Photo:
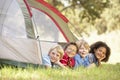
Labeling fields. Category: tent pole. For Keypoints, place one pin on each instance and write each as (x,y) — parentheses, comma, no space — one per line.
(37,38)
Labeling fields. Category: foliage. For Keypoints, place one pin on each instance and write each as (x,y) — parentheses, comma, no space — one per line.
(8,73)
(110,18)
(90,8)
(90,15)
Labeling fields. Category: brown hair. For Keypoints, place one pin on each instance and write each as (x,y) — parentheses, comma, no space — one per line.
(71,43)
(99,44)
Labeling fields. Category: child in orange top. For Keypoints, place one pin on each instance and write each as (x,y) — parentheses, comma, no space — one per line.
(69,52)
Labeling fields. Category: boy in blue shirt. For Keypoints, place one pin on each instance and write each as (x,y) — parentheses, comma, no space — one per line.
(81,58)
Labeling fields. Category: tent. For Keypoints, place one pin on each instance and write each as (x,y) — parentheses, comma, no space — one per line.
(28,28)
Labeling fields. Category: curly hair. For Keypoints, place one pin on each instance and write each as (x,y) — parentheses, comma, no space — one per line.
(99,44)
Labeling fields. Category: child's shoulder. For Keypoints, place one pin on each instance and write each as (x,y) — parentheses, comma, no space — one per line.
(90,55)
(46,61)
(77,56)
(46,58)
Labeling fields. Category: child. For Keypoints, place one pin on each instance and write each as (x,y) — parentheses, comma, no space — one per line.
(81,59)
(99,52)
(70,51)
(53,57)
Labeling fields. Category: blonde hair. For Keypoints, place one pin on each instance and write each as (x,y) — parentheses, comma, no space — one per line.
(84,43)
(59,49)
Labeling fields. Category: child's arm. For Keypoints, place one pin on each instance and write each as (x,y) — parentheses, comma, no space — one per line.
(91,65)
(91,61)
(99,60)
(47,66)
(60,64)
(46,62)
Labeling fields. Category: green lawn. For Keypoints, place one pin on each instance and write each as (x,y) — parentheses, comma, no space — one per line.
(106,72)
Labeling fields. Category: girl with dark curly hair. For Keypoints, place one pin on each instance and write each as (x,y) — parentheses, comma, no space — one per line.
(99,52)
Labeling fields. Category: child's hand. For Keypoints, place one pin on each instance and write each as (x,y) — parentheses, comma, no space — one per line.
(91,65)
(57,62)
(60,64)
(101,58)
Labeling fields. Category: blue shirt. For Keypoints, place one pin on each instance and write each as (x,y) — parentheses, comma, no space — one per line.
(79,61)
(46,61)
(92,59)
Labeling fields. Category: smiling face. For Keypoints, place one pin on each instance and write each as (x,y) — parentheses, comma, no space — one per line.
(100,53)
(71,50)
(83,47)
(54,55)
(83,51)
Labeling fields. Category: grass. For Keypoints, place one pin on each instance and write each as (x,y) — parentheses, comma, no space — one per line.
(106,72)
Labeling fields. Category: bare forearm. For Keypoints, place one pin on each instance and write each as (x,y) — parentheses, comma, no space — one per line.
(61,65)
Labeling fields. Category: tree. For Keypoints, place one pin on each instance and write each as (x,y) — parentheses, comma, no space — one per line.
(103,15)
